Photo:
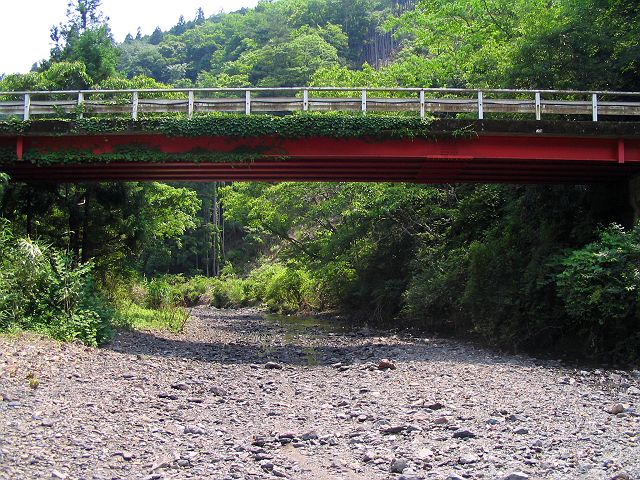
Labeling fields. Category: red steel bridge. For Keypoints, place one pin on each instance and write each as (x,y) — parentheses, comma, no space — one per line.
(509,136)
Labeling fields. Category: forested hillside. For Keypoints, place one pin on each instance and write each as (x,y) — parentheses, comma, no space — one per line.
(276,44)
(544,267)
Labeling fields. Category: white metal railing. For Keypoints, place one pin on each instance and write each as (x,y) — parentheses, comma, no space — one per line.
(190,101)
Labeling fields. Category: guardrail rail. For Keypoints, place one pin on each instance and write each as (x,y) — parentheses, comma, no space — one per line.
(537,103)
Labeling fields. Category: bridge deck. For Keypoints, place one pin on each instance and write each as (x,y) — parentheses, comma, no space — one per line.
(540,140)
(504,152)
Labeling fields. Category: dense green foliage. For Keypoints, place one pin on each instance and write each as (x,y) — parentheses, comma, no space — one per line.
(600,286)
(303,125)
(43,289)
(522,267)
(85,38)
(277,43)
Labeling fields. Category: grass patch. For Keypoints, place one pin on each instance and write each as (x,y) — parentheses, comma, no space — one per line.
(132,316)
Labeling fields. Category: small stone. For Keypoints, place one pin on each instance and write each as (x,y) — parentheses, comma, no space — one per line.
(58,475)
(273,366)
(218,392)
(180,386)
(127,456)
(516,476)
(266,464)
(455,476)
(441,421)
(183,463)
(521,431)
(633,391)
(616,409)
(493,421)
(5,397)
(566,381)
(463,433)
(194,430)
(195,400)
(393,430)
(435,406)
(162,462)
(621,476)
(260,441)
(386,364)
(467,459)
(516,418)
(398,465)
(168,396)
(424,454)
(368,456)
(278,472)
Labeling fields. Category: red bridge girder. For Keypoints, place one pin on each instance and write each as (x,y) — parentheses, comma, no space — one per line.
(486,158)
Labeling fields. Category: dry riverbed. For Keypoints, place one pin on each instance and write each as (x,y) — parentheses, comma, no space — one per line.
(239,396)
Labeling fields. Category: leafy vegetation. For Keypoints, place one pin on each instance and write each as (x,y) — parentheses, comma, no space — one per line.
(43,289)
(600,286)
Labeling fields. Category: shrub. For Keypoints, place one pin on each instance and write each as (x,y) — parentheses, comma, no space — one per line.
(288,290)
(44,290)
(600,287)
(229,292)
(163,292)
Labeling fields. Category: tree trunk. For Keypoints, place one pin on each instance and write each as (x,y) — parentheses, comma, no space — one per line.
(86,236)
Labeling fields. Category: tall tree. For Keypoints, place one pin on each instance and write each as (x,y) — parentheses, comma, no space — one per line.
(85,37)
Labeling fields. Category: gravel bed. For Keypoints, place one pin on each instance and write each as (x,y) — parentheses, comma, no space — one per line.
(242,396)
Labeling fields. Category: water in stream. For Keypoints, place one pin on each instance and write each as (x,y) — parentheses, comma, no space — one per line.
(293,327)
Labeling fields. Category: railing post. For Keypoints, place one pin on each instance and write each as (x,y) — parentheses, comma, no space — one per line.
(27,107)
(80,104)
(364,101)
(422,109)
(305,100)
(247,102)
(134,106)
(190,112)
(480,105)
(594,106)
(538,106)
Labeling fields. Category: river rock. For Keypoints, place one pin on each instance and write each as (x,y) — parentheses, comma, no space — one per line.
(386,364)
(398,465)
(616,409)
(516,476)
(463,433)
(273,366)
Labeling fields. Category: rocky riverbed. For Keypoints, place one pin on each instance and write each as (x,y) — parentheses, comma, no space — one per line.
(241,396)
